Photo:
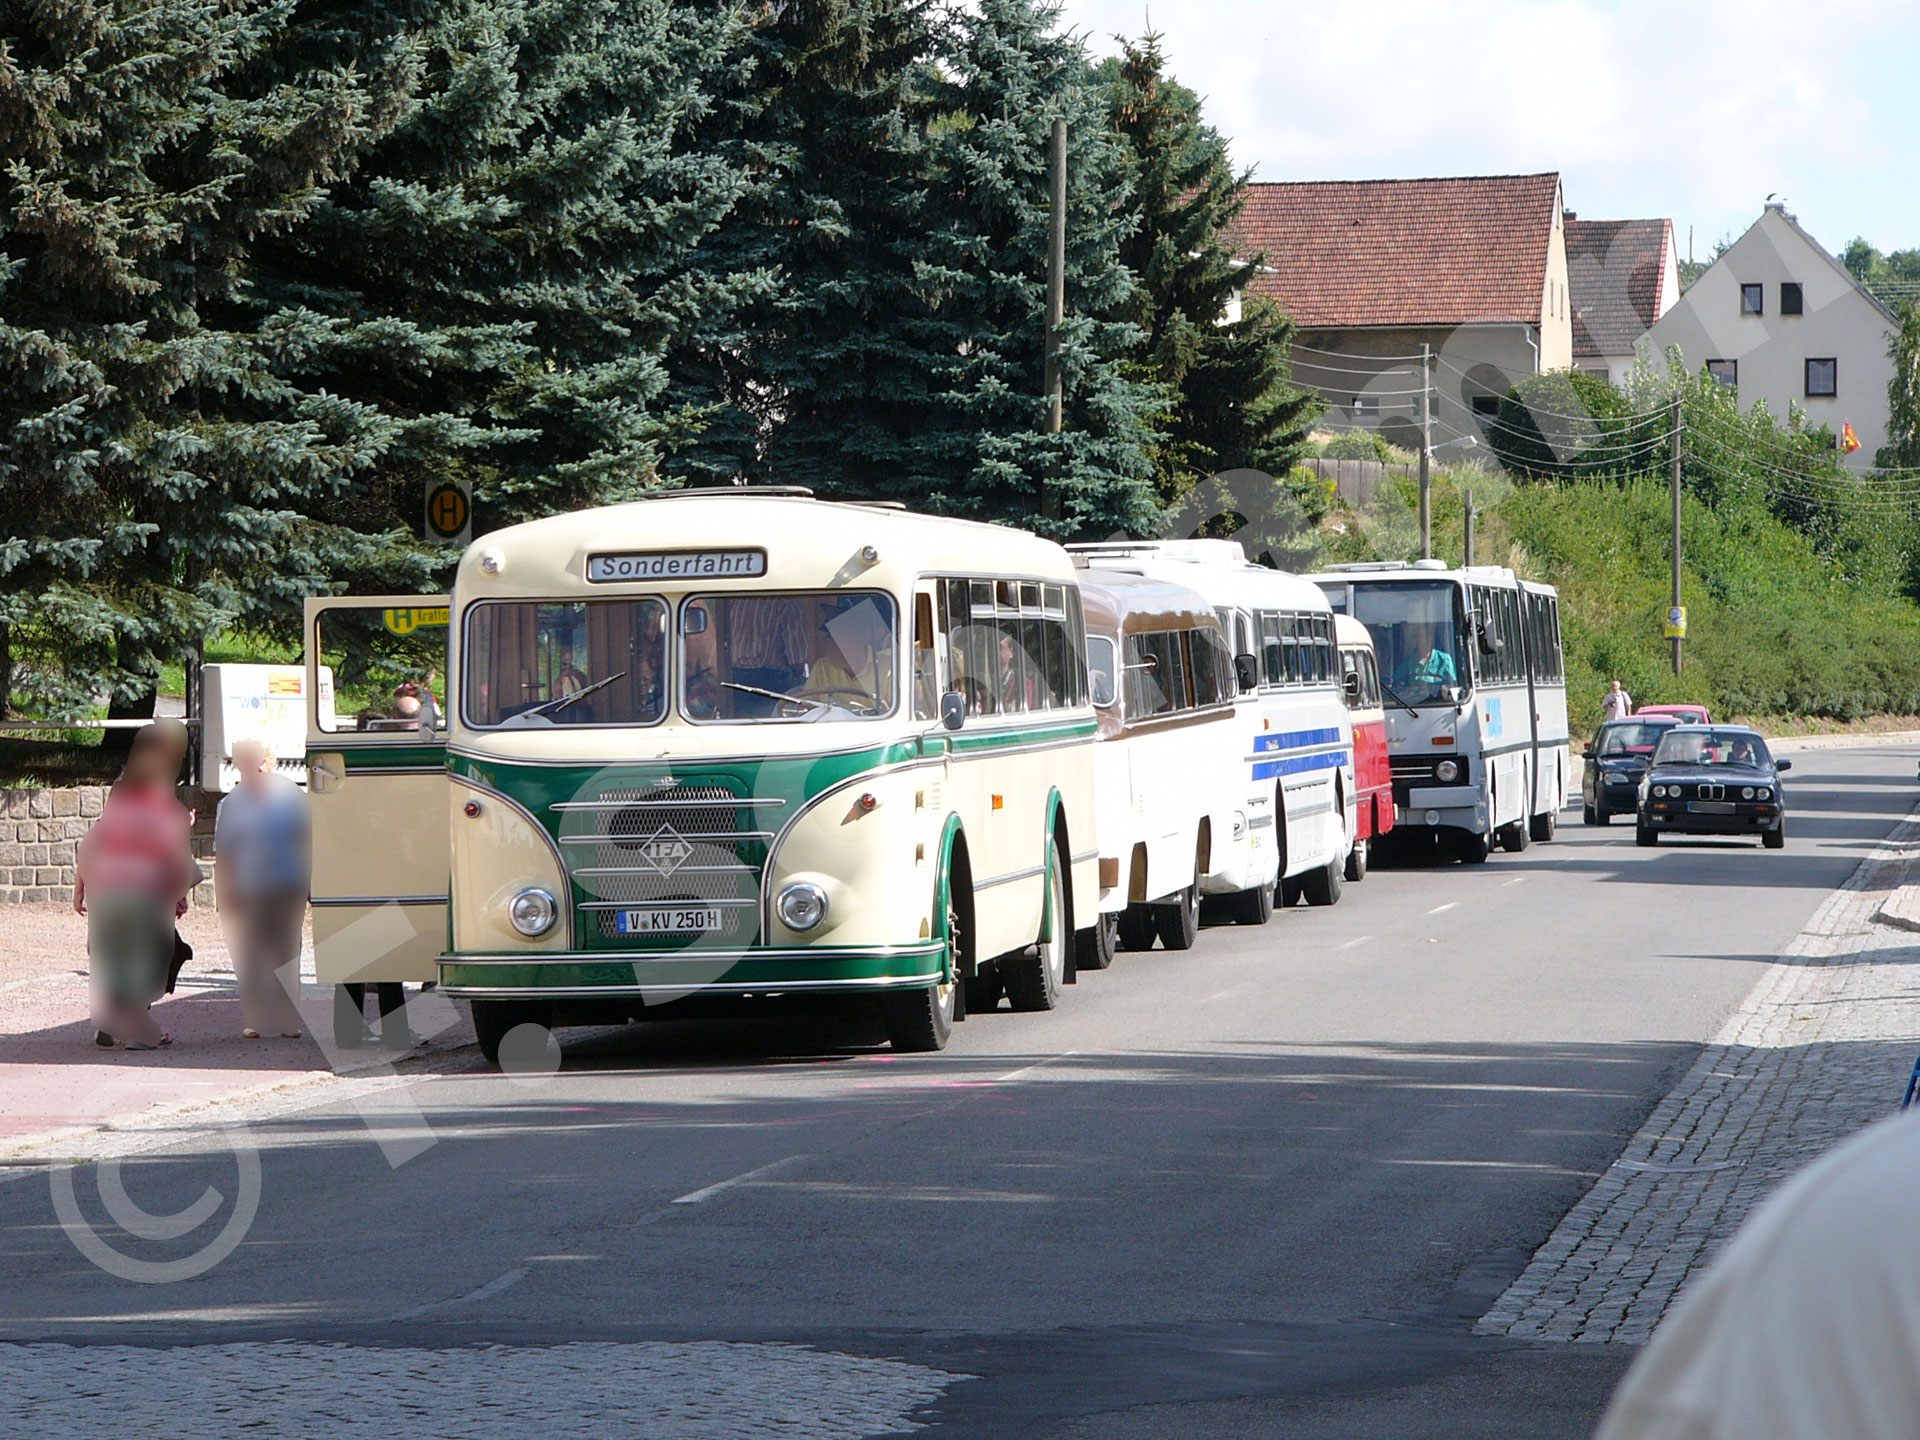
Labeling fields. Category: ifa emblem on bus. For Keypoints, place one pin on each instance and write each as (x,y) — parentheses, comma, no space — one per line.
(666,850)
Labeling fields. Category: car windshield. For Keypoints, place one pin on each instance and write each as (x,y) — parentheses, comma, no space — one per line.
(753,659)
(1417,636)
(1712,747)
(1635,738)
(566,662)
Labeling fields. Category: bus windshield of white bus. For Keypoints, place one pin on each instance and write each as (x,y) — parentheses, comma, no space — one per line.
(1418,638)
(801,656)
(565,662)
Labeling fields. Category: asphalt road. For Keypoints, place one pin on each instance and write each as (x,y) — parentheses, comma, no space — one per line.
(1262,1188)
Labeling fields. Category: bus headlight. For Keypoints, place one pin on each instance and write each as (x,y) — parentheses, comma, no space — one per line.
(1447,771)
(801,906)
(532,912)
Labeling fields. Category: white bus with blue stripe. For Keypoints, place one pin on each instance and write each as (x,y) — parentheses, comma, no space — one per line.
(1474,683)
(1297,743)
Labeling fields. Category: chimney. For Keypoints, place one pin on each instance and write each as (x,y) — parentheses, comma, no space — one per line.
(1569,216)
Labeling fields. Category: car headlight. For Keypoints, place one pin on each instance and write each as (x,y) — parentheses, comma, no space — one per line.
(1746,792)
(801,906)
(1660,792)
(532,912)
(1447,771)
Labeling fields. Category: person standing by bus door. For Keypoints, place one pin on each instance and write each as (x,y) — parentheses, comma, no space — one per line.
(1616,704)
(262,870)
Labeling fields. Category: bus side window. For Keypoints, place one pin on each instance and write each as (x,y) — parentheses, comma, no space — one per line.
(1272,656)
(926,669)
(1373,679)
(983,650)
(1078,686)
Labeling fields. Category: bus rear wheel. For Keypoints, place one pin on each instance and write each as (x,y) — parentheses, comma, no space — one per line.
(1251,907)
(1322,886)
(1034,976)
(1357,860)
(919,1020)
(1178,920)
(1544,827)
(1514,837)
(1134,928)
(1098,942)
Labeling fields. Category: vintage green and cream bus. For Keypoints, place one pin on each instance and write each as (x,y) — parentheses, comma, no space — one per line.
(733,744)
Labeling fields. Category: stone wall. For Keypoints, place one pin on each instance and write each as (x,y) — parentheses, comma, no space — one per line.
(39,828)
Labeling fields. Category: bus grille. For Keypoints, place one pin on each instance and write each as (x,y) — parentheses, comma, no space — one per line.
(1411,770)
(692,844)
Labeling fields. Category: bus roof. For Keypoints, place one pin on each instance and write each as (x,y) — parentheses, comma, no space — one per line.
(1217,569)
(808,543)
(1124,602)
(1349,631)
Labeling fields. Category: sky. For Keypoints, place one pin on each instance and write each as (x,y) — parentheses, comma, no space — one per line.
(1695,110)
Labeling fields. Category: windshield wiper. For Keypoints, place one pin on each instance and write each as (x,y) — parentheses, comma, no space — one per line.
(1387,690)
(554,707)
(773,694)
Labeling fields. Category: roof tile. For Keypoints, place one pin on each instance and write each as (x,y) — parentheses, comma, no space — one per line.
(1614,268)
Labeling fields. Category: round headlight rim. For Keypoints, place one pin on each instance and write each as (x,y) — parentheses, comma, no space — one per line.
(801,890)
(1748,792)
(545,903)
(1447,771)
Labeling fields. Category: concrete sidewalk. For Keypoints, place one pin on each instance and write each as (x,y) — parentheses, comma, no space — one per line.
(57,1088)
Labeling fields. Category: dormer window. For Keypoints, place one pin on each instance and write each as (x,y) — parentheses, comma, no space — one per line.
(1752,300)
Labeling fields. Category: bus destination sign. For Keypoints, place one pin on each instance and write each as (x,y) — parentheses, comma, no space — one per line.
(676,565)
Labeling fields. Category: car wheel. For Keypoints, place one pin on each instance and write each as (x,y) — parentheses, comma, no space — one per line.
(1645,835)
(1776,838)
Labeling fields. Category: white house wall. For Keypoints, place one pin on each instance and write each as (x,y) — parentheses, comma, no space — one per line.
(1840,321)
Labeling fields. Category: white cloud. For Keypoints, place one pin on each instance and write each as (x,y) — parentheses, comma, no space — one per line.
(1696,110)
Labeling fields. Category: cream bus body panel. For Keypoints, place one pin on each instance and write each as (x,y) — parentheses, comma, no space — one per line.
(880,867)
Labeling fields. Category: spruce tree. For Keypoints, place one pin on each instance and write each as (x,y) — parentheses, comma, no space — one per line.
(153,457)
(1235,407)
(1008,70)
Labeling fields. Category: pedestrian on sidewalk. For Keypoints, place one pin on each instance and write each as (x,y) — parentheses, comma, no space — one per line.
(1616,704)
(262,871)
(132,873)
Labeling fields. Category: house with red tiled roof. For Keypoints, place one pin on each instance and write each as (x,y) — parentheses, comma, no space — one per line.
(1623,276)
(1473,268)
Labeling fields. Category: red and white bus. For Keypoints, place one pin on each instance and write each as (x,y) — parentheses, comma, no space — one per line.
(1372,771)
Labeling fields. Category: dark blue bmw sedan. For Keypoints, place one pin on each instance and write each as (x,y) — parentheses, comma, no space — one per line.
(1713,780)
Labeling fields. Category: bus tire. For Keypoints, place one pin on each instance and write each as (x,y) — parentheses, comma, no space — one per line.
(919,1020)
(1514,837)
(494,1020)
(1322,886)
(1289,888)
(1545,826)
(1357,860)
(984,988)
(1472,848)
(1034,976)
(1251,907)
(1098,942)
(1133,927)
(1178,920)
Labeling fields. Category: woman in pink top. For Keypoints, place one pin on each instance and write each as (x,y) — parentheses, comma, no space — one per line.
(134,869)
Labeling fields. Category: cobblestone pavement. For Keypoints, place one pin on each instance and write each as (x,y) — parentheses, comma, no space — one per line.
(1821,1047)
(707,1390)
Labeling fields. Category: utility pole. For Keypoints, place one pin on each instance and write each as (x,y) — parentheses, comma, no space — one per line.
(1676,622)
(1056,293)
(1426,455)
(1466,550)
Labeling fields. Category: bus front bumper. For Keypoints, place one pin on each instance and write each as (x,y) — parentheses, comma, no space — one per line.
(690,972)
(1461,806)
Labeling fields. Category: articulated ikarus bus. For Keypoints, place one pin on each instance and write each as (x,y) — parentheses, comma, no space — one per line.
(739,744)
(1474,685)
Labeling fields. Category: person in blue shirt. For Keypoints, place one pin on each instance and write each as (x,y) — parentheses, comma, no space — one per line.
(262,869)
(1434,667)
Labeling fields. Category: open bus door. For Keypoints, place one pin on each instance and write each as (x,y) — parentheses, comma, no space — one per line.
(377,780)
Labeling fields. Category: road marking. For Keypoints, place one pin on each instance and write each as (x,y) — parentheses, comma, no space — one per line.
(696,1196)
(1029,1069)
(1517,880)
(473,1297)
(1357,940)
(1438,908)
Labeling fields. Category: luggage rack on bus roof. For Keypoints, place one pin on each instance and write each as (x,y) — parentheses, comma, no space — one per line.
(1376,566)
(777,492)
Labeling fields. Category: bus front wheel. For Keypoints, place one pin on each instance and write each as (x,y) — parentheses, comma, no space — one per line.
(1471,848)
(494,1020)
(921,1019)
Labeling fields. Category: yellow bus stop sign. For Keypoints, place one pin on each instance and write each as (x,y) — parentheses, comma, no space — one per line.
(1676,622)
(406,619)
(449,513)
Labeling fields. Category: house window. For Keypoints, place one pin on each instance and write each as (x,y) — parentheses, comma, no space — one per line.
(1366,407)
(1486,406)
(1751,302)
(1791,300)
(1727,372)
(1823,378)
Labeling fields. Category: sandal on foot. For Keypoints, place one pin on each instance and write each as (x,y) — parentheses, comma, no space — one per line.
(150,1044)
(104,1040)
(249,1034)
(289,1034)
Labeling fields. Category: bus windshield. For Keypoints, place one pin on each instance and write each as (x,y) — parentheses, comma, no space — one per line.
(566,662)
(821,655)
(1416,633)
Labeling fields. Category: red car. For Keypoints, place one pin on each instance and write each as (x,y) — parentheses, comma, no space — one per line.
(1685,714)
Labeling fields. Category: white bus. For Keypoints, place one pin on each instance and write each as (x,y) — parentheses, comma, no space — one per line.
(737,744)
(1297,741)
(1472,673)
(1171,795)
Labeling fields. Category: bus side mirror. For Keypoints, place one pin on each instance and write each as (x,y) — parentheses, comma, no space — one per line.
(1246,670)
(1352,685)
(953,709)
